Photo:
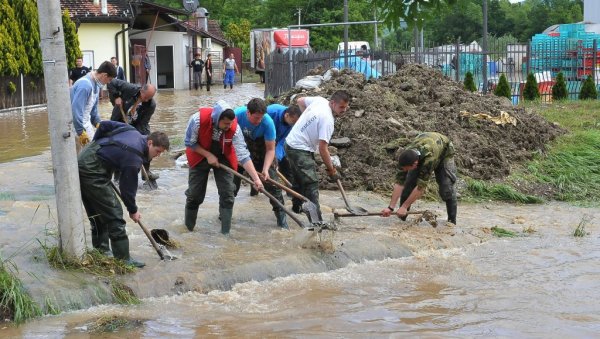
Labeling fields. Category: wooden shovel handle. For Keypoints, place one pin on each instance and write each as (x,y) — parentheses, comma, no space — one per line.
(287,189)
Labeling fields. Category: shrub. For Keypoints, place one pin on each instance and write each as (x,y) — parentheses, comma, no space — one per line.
(12,88)
(469,82)
(531,91)
(503,88)
(559,90)
(588,89)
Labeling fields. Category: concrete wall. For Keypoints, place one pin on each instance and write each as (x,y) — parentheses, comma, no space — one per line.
(591,11)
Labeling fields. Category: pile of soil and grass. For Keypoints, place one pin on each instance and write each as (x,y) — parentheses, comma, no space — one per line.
(387,113)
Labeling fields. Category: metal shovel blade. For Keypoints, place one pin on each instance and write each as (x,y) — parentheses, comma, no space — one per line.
(311,211)
(353,210)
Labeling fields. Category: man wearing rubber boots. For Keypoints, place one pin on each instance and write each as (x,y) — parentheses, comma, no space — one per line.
(428,153)
(133,104)
(312,132)
(116,146)
(259,134)
(213,139)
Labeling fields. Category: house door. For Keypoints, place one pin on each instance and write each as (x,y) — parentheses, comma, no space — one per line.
(164,67)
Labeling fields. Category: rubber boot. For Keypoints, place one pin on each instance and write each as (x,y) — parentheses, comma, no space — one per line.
(281,219)
(225,214)
(120,250)
(100,242)
(451,210)
(190,218)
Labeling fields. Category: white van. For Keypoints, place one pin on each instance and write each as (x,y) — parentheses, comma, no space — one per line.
(354,47)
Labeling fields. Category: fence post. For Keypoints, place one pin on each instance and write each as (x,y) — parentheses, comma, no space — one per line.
(457,60)
(595,60)
(22,95)
(528,59)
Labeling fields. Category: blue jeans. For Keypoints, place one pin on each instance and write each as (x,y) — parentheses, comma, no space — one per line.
(229,77)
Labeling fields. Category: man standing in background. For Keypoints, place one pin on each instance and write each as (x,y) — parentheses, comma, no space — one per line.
(78,72)
(197,66)
(120,71)
(230,68)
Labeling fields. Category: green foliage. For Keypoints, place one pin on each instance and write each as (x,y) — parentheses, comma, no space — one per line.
(469,82)
(12,88)
(15,303)
(502,233)
(71,39)
(503,88)
(531,91)
(482,190)
(27,17)
(238,34)
(559,90)
(580,229)
(588,89)
(12,54)
(413,12)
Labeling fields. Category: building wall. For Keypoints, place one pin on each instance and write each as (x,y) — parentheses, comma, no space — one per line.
(591,11)
(99,38)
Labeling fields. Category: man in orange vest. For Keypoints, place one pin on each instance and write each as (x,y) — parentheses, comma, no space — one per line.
(213,139)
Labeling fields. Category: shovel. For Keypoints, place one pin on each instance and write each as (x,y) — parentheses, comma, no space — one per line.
(353,210)
(339,214)
(148,183)
(163,253)
(308,207)
(283,178)
(263,191)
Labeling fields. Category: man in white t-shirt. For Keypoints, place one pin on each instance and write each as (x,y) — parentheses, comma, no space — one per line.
(312,132)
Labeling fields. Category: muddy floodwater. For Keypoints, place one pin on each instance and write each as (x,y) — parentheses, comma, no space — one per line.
(373,277)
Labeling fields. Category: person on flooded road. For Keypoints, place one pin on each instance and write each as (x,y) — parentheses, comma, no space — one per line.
(133,104)
(312,132)
(116,146)
(84,102)
(428,153)
(213,139)
(260,134)
(284,118)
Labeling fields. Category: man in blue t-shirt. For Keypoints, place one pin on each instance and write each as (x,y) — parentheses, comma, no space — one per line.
(284,118)
(260,134)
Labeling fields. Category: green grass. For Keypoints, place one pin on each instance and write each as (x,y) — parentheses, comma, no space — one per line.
(93,262)
(15,303)
(503,233)
(7,196)
(580,229)
(477,190)
(571,165)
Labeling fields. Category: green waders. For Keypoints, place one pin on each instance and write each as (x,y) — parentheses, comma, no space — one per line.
(304,170)
(102,205)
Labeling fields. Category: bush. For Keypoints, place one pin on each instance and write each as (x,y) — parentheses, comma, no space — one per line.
(559,90)
(469,82)
(531,91)
(503,88)
(12,88)
(588,89)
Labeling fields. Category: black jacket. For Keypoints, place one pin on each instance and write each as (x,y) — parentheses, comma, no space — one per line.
(129,93)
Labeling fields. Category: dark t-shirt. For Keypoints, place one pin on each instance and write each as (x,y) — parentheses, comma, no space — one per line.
(198,65)
(77,73)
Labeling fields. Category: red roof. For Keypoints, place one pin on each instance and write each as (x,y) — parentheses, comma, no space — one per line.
(119,11)
(214,30)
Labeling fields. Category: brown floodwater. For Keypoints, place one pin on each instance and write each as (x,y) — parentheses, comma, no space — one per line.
(374,277)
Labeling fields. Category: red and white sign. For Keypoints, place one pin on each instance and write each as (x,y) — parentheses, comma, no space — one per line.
(299,38)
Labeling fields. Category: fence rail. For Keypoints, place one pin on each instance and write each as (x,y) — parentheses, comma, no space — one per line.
(21,91)
(545,59)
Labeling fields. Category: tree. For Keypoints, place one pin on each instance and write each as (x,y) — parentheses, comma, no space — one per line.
(469,82)
(71,39)
(413,12)
(503,88)
(239,34)
(588,90)
(531,91)
(559,90)
(12,51)
(27,17)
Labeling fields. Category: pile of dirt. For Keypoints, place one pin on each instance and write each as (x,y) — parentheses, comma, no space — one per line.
(490,135)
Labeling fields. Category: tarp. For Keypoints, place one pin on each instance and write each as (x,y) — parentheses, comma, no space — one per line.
(358,64)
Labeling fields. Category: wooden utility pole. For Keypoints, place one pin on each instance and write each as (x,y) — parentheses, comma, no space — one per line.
(62,133)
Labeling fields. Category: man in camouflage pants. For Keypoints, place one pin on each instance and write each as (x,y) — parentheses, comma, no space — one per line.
(430,152)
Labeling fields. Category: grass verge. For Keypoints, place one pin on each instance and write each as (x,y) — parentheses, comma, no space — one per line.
(502,192)
(15,303)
